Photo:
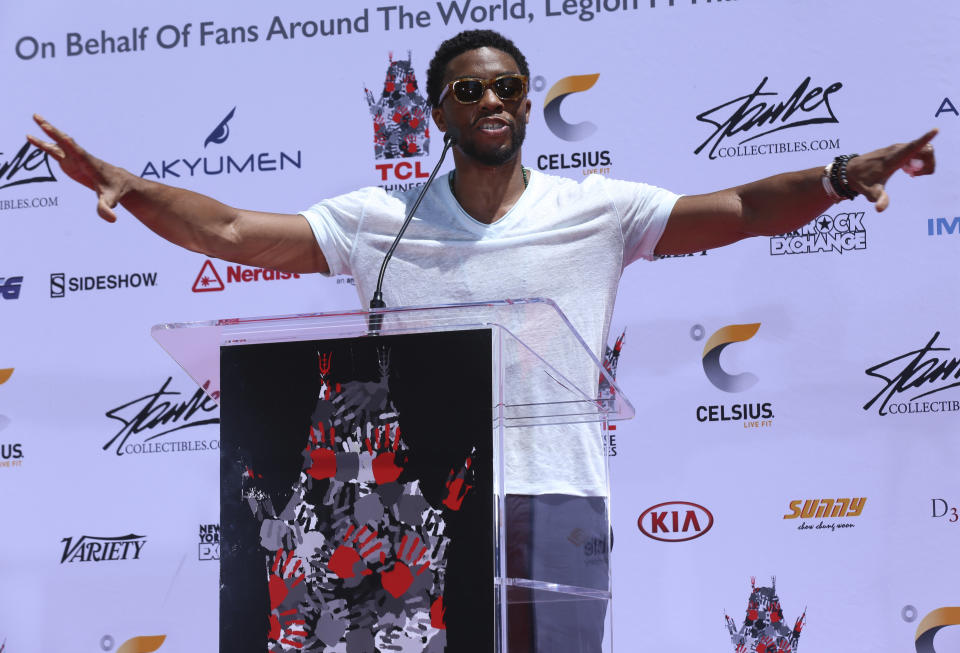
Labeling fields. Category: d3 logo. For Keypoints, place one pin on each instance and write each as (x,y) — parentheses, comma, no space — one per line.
(551,107)
(10,287)
(711,357)
(932,624)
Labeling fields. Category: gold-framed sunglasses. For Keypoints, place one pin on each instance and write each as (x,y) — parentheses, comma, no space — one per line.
(469,90)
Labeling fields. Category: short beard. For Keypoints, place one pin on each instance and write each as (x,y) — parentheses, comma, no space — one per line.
(497,157)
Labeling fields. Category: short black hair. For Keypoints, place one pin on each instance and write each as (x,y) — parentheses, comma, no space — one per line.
(464,42)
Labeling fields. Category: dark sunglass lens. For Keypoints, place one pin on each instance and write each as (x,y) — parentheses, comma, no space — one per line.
(468,90)
(508,88)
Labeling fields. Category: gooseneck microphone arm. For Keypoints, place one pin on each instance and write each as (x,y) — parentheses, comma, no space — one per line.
(375,321)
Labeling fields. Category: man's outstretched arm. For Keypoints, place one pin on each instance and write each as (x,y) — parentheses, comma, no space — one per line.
(191,220)
(786,202)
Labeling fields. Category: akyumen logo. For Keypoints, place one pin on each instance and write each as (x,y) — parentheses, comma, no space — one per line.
(934,623)
(555,97)
(711,357)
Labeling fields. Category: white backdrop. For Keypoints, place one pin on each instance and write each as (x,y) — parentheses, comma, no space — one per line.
(85,370)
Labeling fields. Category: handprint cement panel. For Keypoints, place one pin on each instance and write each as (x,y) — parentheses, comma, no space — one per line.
(357,495)
(401,116)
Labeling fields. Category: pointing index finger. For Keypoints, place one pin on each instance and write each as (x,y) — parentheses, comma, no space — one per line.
(916,145)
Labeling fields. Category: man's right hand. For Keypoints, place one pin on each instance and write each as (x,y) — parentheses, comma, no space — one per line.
(105,180)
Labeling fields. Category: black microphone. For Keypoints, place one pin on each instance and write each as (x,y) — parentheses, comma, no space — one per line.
(375,320)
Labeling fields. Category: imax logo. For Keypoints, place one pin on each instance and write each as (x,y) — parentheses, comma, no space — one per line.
(943,226)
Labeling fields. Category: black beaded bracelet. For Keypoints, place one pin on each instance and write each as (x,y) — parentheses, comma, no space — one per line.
(838,176)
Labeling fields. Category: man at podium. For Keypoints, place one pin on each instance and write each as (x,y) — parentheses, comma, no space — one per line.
(493,228)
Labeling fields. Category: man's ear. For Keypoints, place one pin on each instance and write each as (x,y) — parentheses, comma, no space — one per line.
(526,117)
(439,119)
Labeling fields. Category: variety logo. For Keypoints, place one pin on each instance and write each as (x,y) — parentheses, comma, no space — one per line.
(675,521)
(90,548)
(243,163)
(758,113)
(947,107)
(840,233)
(155,415)
(209,542)
(142,644)
(753,415)
(764,629)
(943,226)
(918,374)
(932,624)
(61,284)
(826,509)
(588,162)
(10,287)
(209,280)
(943,510)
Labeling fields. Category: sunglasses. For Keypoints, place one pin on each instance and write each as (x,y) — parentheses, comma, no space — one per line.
(469,90)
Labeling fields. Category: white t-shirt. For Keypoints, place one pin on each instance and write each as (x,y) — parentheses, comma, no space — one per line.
(563,240)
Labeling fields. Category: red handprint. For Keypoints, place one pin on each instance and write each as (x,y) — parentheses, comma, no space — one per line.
(283,579)
(783,645)
(323,458)
(399,579)
(344,560)
(766,645)
(385,467)
(457,486)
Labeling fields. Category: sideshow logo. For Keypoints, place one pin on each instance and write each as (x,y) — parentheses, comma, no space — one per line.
(155,415)
(826,509)
(588,162)
(942,509)
(90,548)
(946,107)
(918,374)
(209,542)
(753,414)
(60,283)
(675,521)
(757,114)
(30,165)
(250,163)
(764,629)
(209,280)
(10,287)
(840,233)
(142,644)
(930,625)
(943,226)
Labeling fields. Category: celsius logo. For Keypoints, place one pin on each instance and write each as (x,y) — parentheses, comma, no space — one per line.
(675,521)
(840,233)
(711,357)
(551,107)
(763,629)
(89,548)
(10,287)
(143,644)
(209,280)
(250,163)
(209,542)
(931,625)
(400,117)
(29,165)
(222,132)
(943,226)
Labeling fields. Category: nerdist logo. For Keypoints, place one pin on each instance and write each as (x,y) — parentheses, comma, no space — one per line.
(587,161)
(401,126)
(833,514)
(843,232)
(61,284)
(209,547)
(209,280)
(675,521)
(920,374)
(92,548)
(20,171)
(241,161)
(762,112)
(753,414)
(764,628)
(147,419)
(943,226)
(10,287)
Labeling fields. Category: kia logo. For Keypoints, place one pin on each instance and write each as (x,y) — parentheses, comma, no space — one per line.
(675,521)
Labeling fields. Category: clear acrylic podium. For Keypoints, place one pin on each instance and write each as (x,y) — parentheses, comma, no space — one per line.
(543,377)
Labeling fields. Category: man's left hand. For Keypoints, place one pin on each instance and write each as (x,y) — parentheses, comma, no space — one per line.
(868,173)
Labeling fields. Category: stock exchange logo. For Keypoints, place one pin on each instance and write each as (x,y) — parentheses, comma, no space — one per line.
(943,226)
(10,287)
(275,159)
(764,629)
(753,414)
(827,511)
(555,97)
(915,375)
(61,284)
(675,521)
(762,112)
(400,116)
(91,548)
(839,233)
(209,280)
(209,547)
(932,624)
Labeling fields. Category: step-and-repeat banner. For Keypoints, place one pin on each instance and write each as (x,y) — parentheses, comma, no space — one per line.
(790,482)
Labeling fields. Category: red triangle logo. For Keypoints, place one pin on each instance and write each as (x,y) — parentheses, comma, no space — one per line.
(208,280)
